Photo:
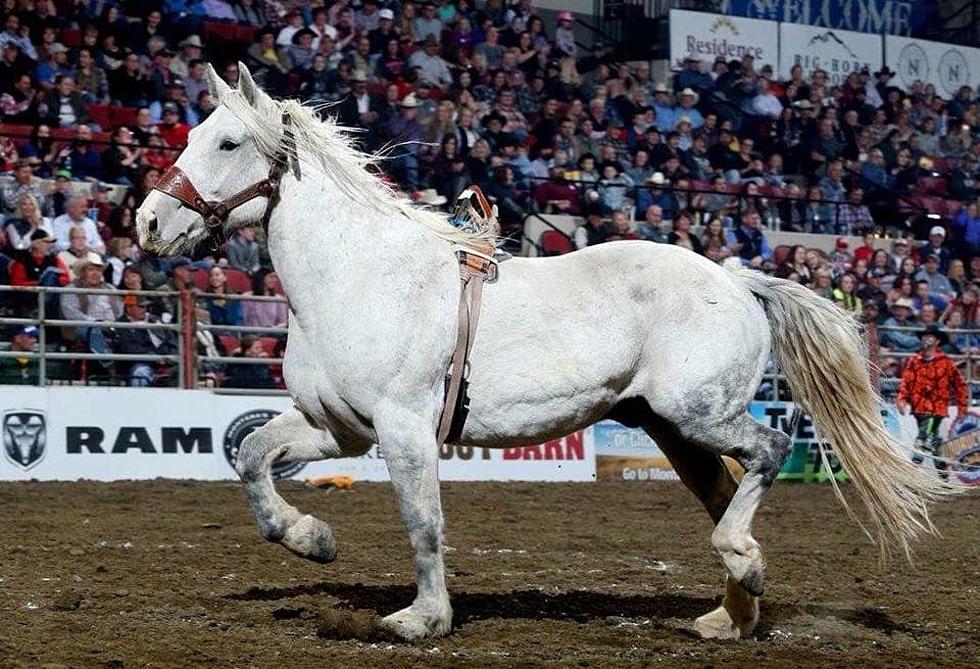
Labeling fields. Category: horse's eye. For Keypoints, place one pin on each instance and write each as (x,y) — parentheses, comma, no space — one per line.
(228,145)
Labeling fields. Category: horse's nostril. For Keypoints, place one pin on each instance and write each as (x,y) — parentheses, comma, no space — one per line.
(152,225)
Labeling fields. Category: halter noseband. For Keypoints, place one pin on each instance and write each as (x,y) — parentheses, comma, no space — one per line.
(175,183)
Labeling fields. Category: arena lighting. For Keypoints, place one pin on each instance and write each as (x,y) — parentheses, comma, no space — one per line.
(934,217)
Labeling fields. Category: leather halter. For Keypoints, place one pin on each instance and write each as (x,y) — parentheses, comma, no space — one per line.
(175,183)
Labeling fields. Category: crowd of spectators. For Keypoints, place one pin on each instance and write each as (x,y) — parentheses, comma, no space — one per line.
(711,157)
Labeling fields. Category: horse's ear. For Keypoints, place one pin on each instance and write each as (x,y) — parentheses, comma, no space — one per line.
(247,85)
(217,86)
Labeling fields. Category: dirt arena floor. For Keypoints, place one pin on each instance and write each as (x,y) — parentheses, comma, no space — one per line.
(166,574)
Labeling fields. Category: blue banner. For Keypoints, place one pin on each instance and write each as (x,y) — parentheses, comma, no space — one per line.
(883,17)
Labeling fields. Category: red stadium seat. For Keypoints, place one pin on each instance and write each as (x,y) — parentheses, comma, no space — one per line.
(229,342)
(269,345)
(122,116)
(933,185)
(238,281)
(200,279)
(100,114)
(554,243)
(71,37)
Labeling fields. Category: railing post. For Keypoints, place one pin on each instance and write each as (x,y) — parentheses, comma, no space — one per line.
(42,340)
(188,323)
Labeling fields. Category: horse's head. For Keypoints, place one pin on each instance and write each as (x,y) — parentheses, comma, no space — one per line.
(222,158)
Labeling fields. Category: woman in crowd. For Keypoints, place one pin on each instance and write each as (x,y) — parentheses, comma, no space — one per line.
(266,314)
(823,283)
(222,310)
(448,169)
(681,235)
(846,294)
(121,162)
(714,233)
(20,229)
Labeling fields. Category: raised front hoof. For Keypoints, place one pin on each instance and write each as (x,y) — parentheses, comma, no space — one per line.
(312,539)
(719,624)
(411,624)
(748,569)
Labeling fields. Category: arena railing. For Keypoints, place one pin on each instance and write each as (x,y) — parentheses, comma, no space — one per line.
(43,320)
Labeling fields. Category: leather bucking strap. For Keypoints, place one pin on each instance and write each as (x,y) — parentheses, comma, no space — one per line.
(475,268)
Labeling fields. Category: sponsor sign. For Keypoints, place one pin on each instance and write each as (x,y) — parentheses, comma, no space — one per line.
(838,52)
(629,454)
(109,434)
(945,66)
(884,17)
(963,448)
(708,36)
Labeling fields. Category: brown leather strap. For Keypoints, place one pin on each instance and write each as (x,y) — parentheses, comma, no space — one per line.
(175,183)
(475,269)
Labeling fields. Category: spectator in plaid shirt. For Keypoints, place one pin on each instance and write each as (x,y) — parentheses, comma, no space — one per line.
(853,217)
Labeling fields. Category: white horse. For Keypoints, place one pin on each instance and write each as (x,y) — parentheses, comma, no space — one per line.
(648,334)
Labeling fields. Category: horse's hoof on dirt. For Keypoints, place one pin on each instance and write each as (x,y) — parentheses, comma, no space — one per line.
(312,539)
(410,624)
(719,625)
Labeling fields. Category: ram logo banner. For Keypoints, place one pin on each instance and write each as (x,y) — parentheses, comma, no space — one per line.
(24,437)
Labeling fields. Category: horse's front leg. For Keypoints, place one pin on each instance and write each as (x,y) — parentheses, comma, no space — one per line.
(409,448)
(286,438)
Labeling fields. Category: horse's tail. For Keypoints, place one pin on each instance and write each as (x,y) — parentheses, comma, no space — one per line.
(820,349)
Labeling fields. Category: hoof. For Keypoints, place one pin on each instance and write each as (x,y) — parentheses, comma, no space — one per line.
(312,539)
(719,625)
(410,623)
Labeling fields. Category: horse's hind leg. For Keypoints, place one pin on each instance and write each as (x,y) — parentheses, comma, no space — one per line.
(286,438)
(705,474)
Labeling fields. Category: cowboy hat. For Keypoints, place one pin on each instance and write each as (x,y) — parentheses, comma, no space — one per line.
(91,259)
(658,179)
(660,88)
(410,101)
(42,235)
(430,197)
(691,92)
(935,331)
(386,14)
(359,76)
(904,302)
(803,104)
(885,70)
(193,40)
(682,119)
(565,15)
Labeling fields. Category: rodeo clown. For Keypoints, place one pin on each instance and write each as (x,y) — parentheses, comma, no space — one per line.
(929,379)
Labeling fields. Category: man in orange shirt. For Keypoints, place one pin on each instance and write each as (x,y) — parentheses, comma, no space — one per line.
(928,383)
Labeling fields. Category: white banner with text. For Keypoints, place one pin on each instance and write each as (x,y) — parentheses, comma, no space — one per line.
(838,52)
(110,434)
(707,36)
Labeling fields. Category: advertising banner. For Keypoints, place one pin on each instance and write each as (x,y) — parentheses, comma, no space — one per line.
(708,36)
(945,66)
(838,52)
(884,17)
(109,434)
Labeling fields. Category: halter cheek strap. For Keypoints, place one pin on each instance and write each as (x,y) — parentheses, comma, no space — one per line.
(175,183)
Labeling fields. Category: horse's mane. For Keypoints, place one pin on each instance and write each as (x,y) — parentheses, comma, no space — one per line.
(331,145)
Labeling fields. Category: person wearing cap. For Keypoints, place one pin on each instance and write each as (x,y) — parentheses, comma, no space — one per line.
(564,35)
(433,67)
(385,31)
(872,291)
(171,129)
(662,109)
(427,23)
(54,65)
(65,106)
(930,384)
(935,246)
(37,266)
(894,333)
(20,370)
(96,308)
(142,341)
(938,283)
